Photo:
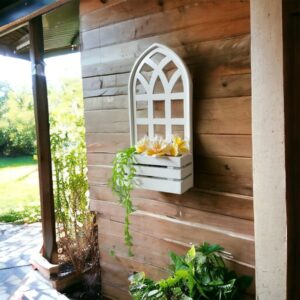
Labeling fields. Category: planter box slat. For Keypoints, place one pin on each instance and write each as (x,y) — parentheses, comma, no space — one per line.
(164,172)
(165,185)
(167,161)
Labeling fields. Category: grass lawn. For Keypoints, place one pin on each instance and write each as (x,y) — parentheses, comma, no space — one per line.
(19,185)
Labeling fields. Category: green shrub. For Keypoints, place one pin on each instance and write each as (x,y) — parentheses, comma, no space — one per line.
(28,214)
(76,228)
(200,274)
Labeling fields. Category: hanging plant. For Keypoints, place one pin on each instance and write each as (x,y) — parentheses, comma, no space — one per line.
(123,172)
(121,183)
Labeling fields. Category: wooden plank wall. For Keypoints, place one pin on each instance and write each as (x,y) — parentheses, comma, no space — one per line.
(213,37)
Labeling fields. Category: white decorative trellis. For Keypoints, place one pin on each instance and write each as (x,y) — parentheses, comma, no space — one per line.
(160,104)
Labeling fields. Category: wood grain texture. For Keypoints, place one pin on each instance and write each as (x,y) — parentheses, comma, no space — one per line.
(180,232)
(88,6)
(209,84)
(214,116)
(111,210)
(223,145)
(155,255)
(229,145)
(203,12)
(223,115)
(208,179)
(240,168)
(231,52)
(237,206)
(213,38)
(223,183)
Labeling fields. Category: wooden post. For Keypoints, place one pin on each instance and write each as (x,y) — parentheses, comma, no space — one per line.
(269,152)
(43,138)
(291,43)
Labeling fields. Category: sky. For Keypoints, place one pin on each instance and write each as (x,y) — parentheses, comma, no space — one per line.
(18,72)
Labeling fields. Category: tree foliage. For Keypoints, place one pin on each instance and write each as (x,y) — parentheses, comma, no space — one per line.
(17,127)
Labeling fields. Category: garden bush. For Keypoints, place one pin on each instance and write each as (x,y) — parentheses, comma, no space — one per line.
(76,228)
(200,274)
(27,214)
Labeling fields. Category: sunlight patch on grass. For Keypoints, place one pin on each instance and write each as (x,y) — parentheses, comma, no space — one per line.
(19,186)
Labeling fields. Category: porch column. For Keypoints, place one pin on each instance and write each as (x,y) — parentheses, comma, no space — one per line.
(269,170)
(43,138)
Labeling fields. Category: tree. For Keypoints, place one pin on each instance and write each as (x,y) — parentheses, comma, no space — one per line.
(17,124)
(17,129)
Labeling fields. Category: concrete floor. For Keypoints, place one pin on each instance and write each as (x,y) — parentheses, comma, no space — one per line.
(17,243)
(18,281)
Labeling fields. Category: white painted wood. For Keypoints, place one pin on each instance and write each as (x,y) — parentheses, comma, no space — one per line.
(160,121)
(168,161)
(164,172)
(269,174)
(148,85)
(164,185)
(141,88)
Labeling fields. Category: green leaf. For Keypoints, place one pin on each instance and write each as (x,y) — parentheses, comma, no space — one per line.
(191,254)
(200,274)
(208,249)
(121,183)
(137,277)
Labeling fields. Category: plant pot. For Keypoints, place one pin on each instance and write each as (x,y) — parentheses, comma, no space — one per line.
(165,173)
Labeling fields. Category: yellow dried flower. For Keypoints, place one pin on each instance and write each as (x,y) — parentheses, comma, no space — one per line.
(158,147)
(179,146)
(142,145)
(173,150)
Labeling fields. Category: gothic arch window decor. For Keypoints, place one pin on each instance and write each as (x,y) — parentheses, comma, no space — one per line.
(160,104)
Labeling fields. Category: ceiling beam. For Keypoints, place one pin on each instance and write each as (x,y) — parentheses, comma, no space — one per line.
(22,43)
(7,51)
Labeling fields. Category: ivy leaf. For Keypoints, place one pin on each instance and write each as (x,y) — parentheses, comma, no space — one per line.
(121,183)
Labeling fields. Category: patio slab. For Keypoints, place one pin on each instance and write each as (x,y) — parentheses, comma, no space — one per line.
(36,287)
(17,244)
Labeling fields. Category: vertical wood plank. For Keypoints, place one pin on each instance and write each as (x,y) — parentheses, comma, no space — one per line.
(269,165)
(41,111)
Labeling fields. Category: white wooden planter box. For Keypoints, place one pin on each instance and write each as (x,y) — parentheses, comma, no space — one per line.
(159,78)
(164,174)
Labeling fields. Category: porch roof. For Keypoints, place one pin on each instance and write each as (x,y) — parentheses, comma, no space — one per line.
(61,32)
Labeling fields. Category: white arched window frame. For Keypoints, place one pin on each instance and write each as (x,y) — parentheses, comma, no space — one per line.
(167,174)
(168,56)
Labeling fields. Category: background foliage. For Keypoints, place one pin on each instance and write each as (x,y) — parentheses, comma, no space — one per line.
(17,129)
(17,132)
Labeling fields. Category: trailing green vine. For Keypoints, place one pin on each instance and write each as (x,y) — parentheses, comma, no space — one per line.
(122,184)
